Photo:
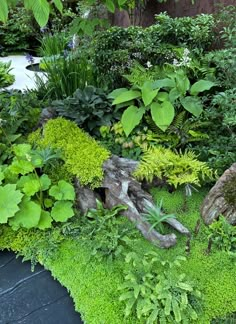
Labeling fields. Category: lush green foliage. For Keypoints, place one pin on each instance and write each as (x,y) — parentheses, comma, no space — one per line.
(156,217)
(104,232)
(53,44)
(223,235)
(158,99)
(89,108)
(157,292)
(223,61)
(28,199)
(220,147)
(83,156)
(176,169)
(19,33)
(65,74)
(118,49)
(6,79)
(227,17)
(71,263)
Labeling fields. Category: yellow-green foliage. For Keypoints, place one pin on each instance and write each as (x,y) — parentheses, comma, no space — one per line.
(82,154)
(93,284)
(177,169)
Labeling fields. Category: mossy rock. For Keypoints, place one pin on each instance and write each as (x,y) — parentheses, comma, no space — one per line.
(221,200)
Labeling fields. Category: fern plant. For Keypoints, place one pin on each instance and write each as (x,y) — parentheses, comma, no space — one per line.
(176,169)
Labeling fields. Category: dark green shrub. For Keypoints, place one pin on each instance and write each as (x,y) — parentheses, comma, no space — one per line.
(20,32)
(219,150)
(89,108)
(224,63)
(117,49)
(6,79)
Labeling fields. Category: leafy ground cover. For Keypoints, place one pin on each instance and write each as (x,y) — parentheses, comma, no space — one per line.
(93,284)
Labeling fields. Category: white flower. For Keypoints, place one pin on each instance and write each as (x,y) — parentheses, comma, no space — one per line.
(149,65)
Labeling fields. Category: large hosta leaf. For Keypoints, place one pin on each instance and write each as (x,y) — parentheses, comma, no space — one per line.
(131,117)
(127,96)
(62,210)
(28,216)
(193,105)
(62,191)
(200,86)
(3,10)
(148,94)
(162,114)
(10,198)
(41,10)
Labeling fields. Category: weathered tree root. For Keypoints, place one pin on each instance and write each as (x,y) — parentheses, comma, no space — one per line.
(119,187)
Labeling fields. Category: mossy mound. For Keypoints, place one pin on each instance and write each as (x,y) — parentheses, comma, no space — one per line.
(83,156)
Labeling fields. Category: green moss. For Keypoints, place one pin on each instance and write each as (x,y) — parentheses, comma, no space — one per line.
(93,284)
(229,191)
(82,154)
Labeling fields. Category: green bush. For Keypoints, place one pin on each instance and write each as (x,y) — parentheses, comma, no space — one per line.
(117,49)
(89,108)
(6,79)
(219,150)
(224,63)
(83,156)
(29,199)
(20,32)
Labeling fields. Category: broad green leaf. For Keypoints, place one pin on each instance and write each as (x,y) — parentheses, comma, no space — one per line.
(200,86)
(110,6)
(62,191)
(31,187)
(162,114)
(10,198)
(45,220)
(62,210)
(3,10)
(48,202)
(28,216)
(41,10)
(193,105)
(176,311)
(163,96)
(164,83)
(21,150)
(115,93)
(182,82)
(58,5)
(21,167)
(185,286)
(148,94)
(121,3)
(131,117)
(174,94)
(127,96)
(45,182)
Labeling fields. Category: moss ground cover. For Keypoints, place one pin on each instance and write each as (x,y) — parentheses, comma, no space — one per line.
(93,284)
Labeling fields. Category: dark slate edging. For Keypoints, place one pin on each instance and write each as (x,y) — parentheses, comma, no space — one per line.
(32,297)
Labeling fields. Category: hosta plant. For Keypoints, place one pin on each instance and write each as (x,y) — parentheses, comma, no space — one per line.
(158,99)
(157,291)
(28,198)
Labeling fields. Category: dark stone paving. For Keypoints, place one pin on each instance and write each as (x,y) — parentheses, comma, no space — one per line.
(32,297)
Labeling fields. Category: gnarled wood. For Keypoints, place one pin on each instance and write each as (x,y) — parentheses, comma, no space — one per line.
(119,187)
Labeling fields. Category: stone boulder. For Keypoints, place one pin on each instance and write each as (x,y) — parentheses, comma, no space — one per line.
(221,200)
